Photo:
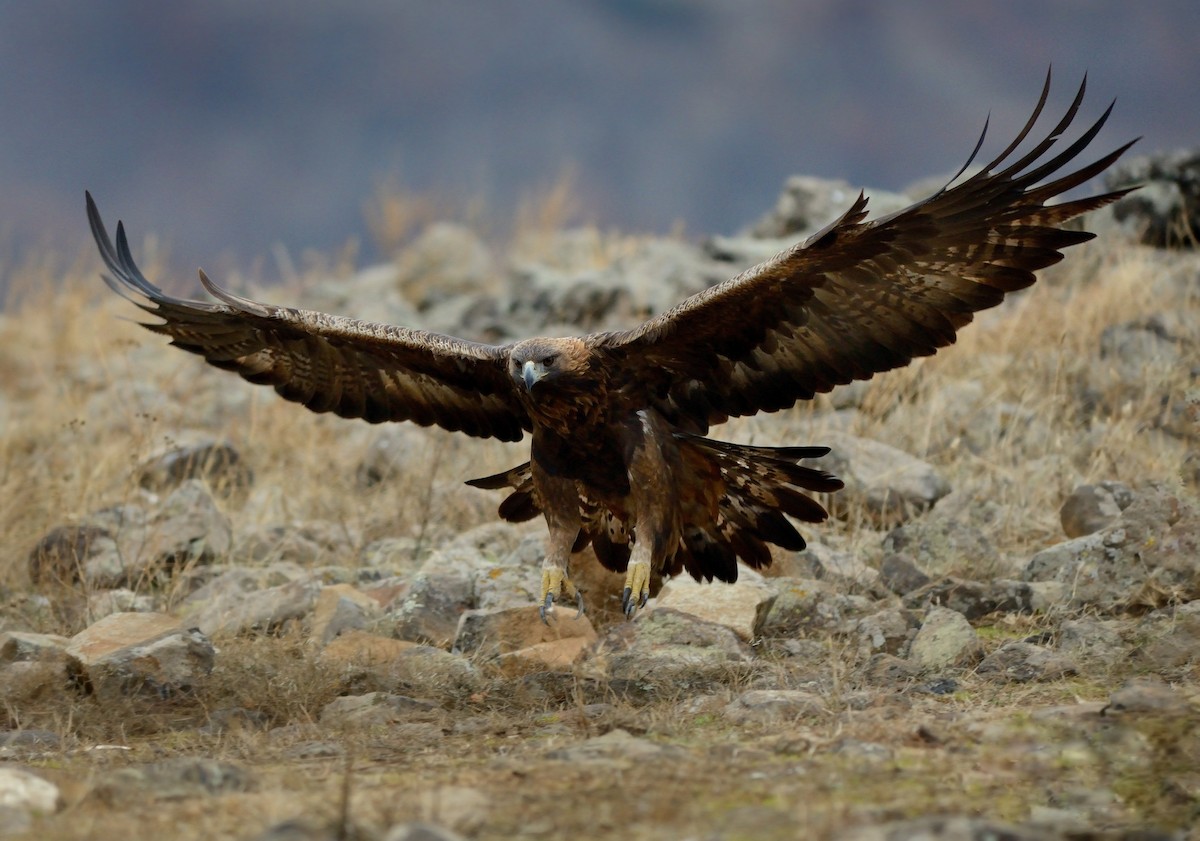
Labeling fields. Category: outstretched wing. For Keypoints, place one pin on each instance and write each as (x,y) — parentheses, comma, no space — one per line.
(353,368)
(860,297)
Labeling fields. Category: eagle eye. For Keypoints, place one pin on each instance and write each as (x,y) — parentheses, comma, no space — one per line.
(548,361)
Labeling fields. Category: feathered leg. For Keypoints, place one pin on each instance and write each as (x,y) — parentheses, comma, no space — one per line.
(560,504)
(656,525)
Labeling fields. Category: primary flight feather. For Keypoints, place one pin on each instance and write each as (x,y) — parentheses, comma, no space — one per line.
(618,457)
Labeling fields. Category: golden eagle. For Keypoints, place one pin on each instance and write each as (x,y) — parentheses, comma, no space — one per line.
(618,457)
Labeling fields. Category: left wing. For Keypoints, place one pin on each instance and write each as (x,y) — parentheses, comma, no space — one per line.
(353,368)
(859,297)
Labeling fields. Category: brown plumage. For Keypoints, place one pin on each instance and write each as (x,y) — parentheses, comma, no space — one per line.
(618,458)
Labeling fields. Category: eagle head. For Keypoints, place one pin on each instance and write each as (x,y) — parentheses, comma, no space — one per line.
(540,362)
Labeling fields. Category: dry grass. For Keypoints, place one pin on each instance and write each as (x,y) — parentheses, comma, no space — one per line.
(85,394)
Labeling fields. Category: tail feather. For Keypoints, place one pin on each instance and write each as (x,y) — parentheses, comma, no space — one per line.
(756,490)
(758,487)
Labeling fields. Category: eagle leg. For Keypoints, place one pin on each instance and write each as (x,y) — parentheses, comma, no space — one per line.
(554,582)
(637,588)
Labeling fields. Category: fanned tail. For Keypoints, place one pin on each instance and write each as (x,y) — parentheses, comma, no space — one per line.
(751,493)
(759,488)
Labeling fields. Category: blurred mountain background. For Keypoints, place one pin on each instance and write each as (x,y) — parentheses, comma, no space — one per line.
(230,128)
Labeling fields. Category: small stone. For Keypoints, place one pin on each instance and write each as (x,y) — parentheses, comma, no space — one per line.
(974,599)
(431,609)
(742,606)
(808,605)
(264,611)
(941,544)
(217,462)
(21,646)
(418,831)
(62,555)
(900,574)
(944,639)
(1023,662)
(403,666)
(173,779)
(1088,509)
(669,651)
(340,607)
(1146,696)
(618,745)
(503,631)
(845,570)
(102,603)
(24,796)
(360,648)
(889,631)
(767,706)
(373,709)
(148,654)
(891,485)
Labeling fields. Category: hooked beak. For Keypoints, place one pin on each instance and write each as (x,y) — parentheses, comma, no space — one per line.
(532,373)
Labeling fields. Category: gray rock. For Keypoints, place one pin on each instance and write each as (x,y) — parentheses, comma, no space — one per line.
(1144,559)
(418,831)
(172,779)
(307,830)
(949,828)
(445,259)
(101,603)
(186,529)
(741,606)
(1169,639)
(392,454)
(1088,639)
(430,611)
(24,796)
(942,544)
(145,654)
(805,605)
(215,461)
(238,611)
(62,555)
(900,573)
(665,650)
(845,570)
(808,204)
(517,637)
(889,631)
(1146,695)
(307,544)
(1165,212)
(340,607)
(1022,662)
(974,599)
(373,709)
(1090,508)
(944,639)
(773,706)
(22,646)
(506,586)
(890,485)
(618,745)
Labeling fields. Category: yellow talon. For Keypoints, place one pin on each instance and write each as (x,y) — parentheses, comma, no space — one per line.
(555,583)
(637,587)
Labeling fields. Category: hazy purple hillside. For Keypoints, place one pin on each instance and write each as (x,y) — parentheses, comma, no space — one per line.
(228,127)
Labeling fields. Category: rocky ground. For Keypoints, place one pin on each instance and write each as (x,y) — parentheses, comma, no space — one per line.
(224,617)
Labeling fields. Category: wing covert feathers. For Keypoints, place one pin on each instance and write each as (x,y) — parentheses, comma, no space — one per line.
(860,297)
(328,363)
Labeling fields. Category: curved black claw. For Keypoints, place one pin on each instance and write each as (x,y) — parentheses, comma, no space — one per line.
(630,605)
(579,604)
(547,606)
